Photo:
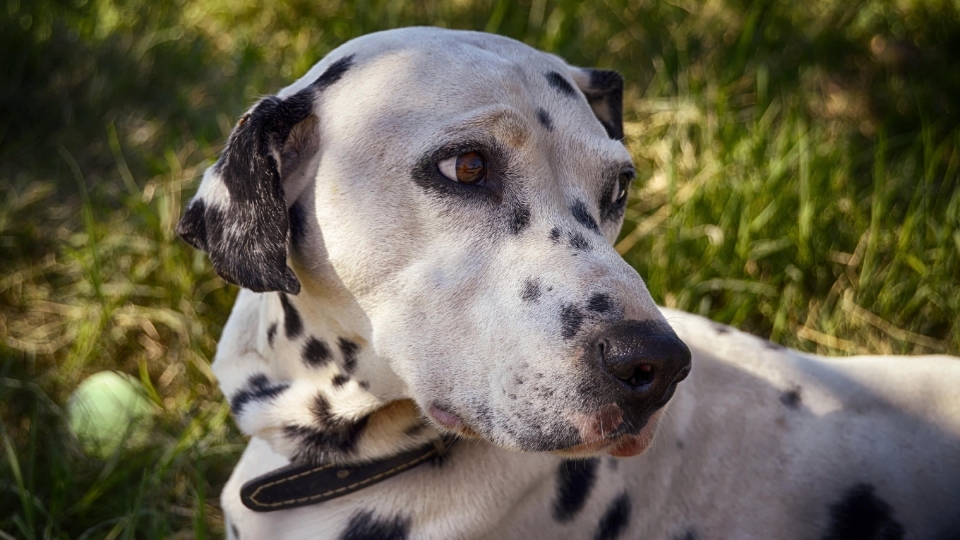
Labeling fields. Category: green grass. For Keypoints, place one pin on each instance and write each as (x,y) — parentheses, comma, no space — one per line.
(798,179)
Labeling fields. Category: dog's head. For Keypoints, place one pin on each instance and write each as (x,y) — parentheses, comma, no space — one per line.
(464,191)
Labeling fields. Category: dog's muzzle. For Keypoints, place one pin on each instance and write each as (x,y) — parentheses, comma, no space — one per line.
(636,367)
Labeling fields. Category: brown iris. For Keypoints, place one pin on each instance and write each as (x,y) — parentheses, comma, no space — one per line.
(471,168)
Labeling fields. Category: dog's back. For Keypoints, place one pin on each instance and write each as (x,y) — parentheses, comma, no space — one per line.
(772,443)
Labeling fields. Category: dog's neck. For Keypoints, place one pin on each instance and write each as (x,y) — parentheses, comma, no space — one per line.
(290,399)
(307,381)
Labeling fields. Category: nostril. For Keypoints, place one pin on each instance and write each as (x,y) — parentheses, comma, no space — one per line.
(634,373)
(641,376)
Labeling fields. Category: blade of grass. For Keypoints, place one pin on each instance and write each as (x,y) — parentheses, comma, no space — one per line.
(122,167)
(26,504)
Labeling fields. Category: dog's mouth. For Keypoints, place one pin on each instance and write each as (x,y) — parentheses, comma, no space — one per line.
(603,432)
(452,422)
(606,432)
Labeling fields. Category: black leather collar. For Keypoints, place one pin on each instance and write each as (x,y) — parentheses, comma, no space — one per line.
(302,484)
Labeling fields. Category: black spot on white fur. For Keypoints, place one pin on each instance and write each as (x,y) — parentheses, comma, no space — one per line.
(258,388)
(234,530)
(339,380)
(544,118)
(861,515)
(575,480)
(721,328)
(292,323)
(555,235)
(519,217)
(321,411)
(365,525)
(333,73)
(531,290)
(316,353)
(600,303)
(560,84)
(791,398)
(331,438)
(348,350)
(571,318)
(578,242)
(583,217)
(271,333)
(615,519)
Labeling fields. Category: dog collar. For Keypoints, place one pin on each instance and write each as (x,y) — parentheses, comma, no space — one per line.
(303,484)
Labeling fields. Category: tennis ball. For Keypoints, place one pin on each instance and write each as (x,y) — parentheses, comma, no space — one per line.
(109,410)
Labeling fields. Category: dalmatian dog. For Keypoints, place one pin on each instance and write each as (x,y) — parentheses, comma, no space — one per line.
(422,226)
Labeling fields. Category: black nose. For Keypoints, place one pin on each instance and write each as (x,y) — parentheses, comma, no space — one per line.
(645,357)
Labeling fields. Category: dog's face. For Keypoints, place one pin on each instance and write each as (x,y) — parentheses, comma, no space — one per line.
(464,190)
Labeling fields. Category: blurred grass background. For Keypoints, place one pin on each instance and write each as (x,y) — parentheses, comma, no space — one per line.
(798,179)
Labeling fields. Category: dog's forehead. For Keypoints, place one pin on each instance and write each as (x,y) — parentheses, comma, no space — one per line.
(402,82)
(436,50)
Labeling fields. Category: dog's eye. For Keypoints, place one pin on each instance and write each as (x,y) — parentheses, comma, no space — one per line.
(622,187)
(468,168)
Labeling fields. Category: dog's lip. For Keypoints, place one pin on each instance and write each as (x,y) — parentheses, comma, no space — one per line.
(445,418)
(617,444)
(451,421)
(604,444)
(585,449)
(632,445)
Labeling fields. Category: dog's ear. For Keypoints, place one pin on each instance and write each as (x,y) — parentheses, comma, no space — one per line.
(604,91)
(240,213)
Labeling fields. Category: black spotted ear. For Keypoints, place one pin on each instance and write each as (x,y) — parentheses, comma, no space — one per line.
(604,92)
(239,215)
